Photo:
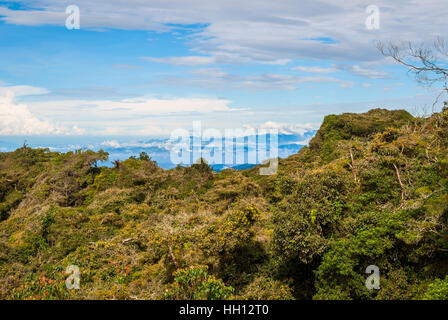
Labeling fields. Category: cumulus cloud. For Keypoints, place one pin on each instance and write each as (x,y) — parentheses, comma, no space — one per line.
(284,128)
(111,144)
(16,119)
(134,116)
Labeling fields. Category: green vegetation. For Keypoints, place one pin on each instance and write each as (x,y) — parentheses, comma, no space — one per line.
(194,283)
(371,189)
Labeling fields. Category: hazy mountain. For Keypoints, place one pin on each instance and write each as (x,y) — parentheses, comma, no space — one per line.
(121,148)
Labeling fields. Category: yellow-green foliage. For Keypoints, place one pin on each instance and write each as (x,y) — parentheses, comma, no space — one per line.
(194,283)
(371,189)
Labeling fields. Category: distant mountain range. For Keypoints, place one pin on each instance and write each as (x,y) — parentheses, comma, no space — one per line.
(121,148)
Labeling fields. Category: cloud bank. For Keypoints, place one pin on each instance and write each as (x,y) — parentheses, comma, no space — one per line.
(16,119)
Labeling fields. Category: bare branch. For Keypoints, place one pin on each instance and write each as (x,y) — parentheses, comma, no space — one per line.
(403,190)
(426,64)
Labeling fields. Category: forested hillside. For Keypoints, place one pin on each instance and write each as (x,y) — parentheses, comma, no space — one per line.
(371,189)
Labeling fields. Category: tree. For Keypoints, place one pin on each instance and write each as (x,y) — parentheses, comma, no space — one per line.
(427,64)
(144,156)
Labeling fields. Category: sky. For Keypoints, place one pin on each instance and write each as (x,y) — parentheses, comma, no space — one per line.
(145,68)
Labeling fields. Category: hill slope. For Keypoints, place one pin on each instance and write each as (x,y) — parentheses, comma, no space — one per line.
(371,189)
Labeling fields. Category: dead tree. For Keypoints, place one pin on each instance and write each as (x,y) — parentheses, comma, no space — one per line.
(428,64)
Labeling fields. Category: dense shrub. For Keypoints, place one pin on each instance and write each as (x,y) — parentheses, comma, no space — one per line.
(371,189)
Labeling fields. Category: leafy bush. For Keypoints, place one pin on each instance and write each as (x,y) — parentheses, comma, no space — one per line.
(195,283)
(437,290)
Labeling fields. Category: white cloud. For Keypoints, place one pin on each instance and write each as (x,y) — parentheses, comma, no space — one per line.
(262,31)
(16,119)
(18,91)
(128,117)
(162,144)
(184,61)
(111,144)
(319,79)
(279,62)
(132,108)
(32,17)
(150,130)
(315,69)
(284,128)
(353,69)
(216,78)
(364,72)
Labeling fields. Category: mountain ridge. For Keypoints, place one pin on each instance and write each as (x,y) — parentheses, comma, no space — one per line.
(370,189)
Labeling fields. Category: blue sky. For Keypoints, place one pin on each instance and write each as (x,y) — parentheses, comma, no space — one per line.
(144,68)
